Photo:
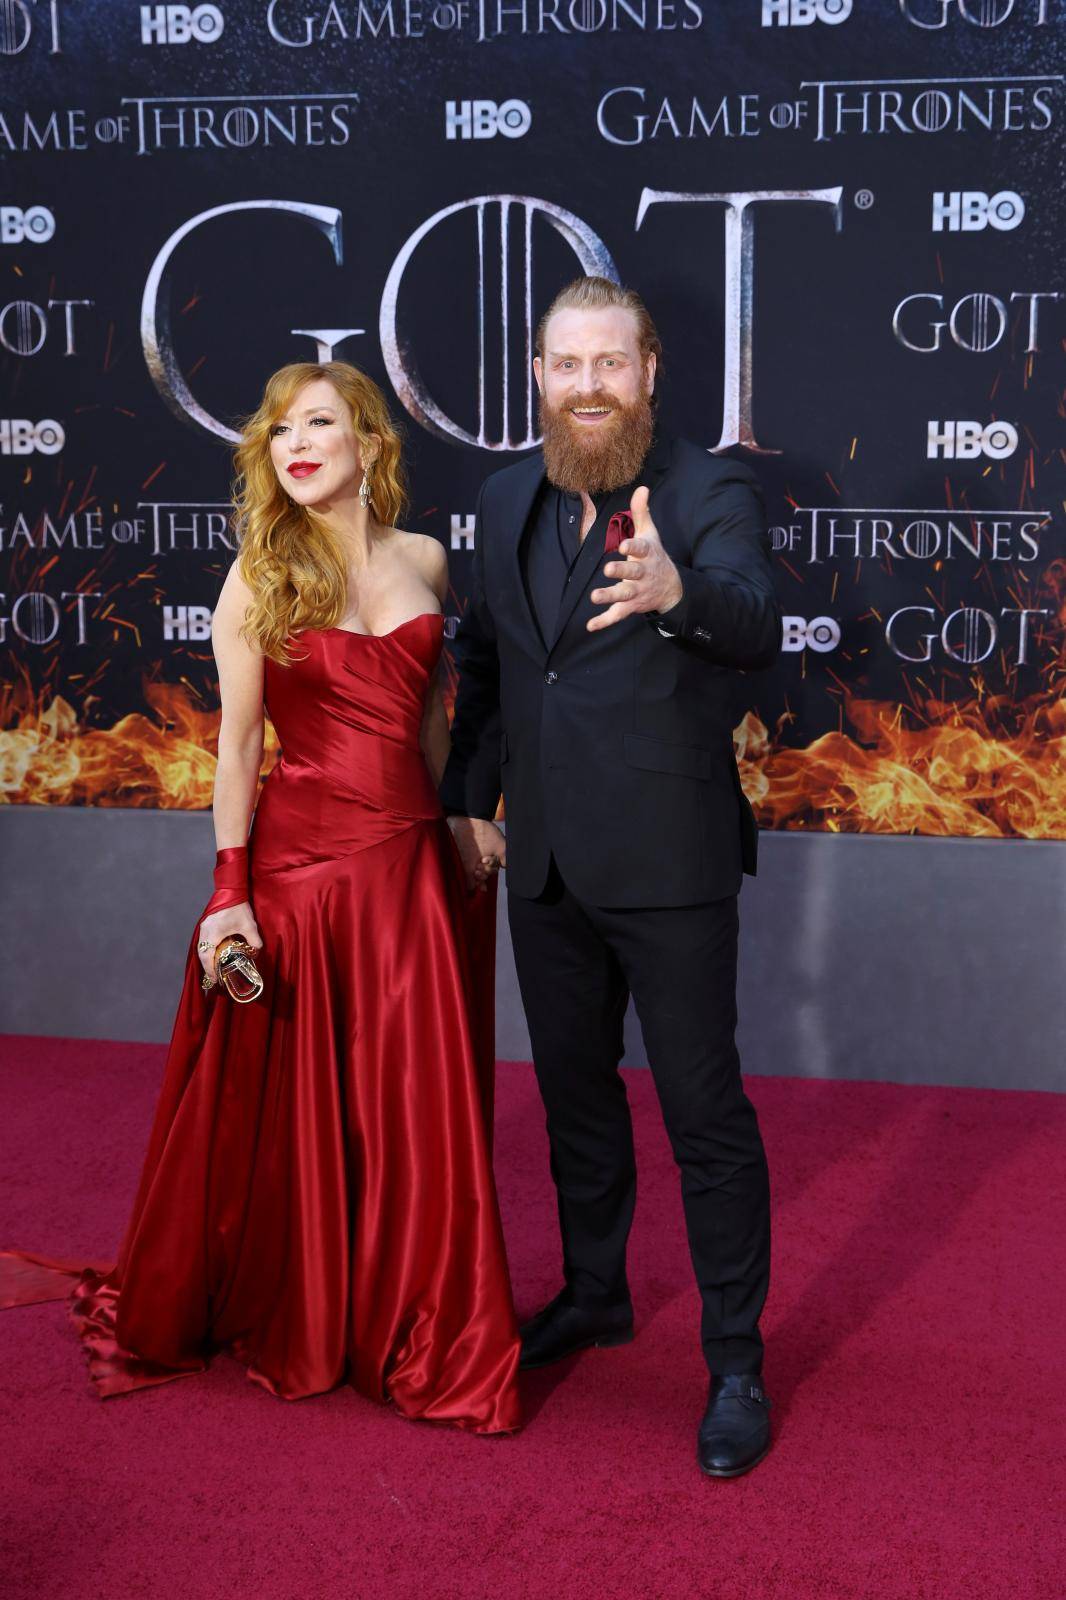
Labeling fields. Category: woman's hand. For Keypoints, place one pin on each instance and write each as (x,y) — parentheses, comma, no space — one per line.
(239,920)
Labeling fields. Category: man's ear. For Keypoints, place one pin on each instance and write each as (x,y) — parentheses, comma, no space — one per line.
(650,364)
(538,372)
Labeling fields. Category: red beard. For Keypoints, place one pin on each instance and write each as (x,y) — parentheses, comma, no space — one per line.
(595,460)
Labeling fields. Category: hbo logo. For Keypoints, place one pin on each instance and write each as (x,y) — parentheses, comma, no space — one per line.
(969,210)
(186,622)
(21,438)
(823,634)
(179,24)
(484,119)
(36,225)
(965,441)
(801,13)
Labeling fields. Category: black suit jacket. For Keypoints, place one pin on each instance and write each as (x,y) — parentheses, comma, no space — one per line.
(614,749)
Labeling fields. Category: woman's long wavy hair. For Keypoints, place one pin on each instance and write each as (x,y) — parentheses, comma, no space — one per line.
(288,556)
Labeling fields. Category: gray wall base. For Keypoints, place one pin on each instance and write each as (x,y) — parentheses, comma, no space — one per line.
(913,960)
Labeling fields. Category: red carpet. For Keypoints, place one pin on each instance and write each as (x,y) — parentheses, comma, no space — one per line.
(915,1335)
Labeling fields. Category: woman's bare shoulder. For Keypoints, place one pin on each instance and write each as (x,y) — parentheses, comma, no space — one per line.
(419,544)
(425,552)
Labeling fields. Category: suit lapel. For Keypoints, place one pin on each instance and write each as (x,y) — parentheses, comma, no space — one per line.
(524,501)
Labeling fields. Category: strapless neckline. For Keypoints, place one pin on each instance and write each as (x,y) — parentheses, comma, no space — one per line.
(351,633)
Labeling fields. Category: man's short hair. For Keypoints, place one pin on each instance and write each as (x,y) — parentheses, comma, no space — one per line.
(598,294)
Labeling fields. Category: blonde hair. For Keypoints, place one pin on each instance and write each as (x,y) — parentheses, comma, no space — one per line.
(598,294)
(288,556)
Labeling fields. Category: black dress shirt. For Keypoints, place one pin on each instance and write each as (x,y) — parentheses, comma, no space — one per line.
(551,548)
(552,551)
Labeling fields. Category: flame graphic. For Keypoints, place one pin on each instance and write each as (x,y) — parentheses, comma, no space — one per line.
(960,776)
(979,769)
(166,760)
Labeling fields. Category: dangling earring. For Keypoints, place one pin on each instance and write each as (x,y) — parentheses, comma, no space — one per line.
(364,489)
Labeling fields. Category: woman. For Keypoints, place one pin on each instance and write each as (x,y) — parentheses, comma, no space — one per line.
(317,1195)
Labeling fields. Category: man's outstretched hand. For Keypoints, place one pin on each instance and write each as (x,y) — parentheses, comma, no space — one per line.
(482,849)
(648,579)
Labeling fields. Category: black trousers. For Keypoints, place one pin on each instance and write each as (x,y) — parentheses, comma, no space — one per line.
(577,965)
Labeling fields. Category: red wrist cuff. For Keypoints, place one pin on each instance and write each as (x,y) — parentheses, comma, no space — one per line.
(231,879)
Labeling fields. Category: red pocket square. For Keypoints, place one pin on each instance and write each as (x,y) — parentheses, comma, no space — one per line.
(620,527)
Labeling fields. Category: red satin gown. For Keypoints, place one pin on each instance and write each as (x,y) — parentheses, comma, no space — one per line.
(317,1195)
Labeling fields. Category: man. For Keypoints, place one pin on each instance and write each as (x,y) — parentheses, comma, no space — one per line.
(607,708)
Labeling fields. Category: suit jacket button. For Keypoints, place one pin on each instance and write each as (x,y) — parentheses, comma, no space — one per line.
(551,677)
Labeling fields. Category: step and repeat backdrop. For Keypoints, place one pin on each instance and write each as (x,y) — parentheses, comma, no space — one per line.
(845,215)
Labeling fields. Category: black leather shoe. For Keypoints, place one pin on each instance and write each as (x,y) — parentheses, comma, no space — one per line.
(735,1432)
(562,1329)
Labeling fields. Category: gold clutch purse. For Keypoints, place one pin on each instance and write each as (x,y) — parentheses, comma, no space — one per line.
(235,970)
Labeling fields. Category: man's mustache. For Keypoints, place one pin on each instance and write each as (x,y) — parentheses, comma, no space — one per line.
(595,397)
